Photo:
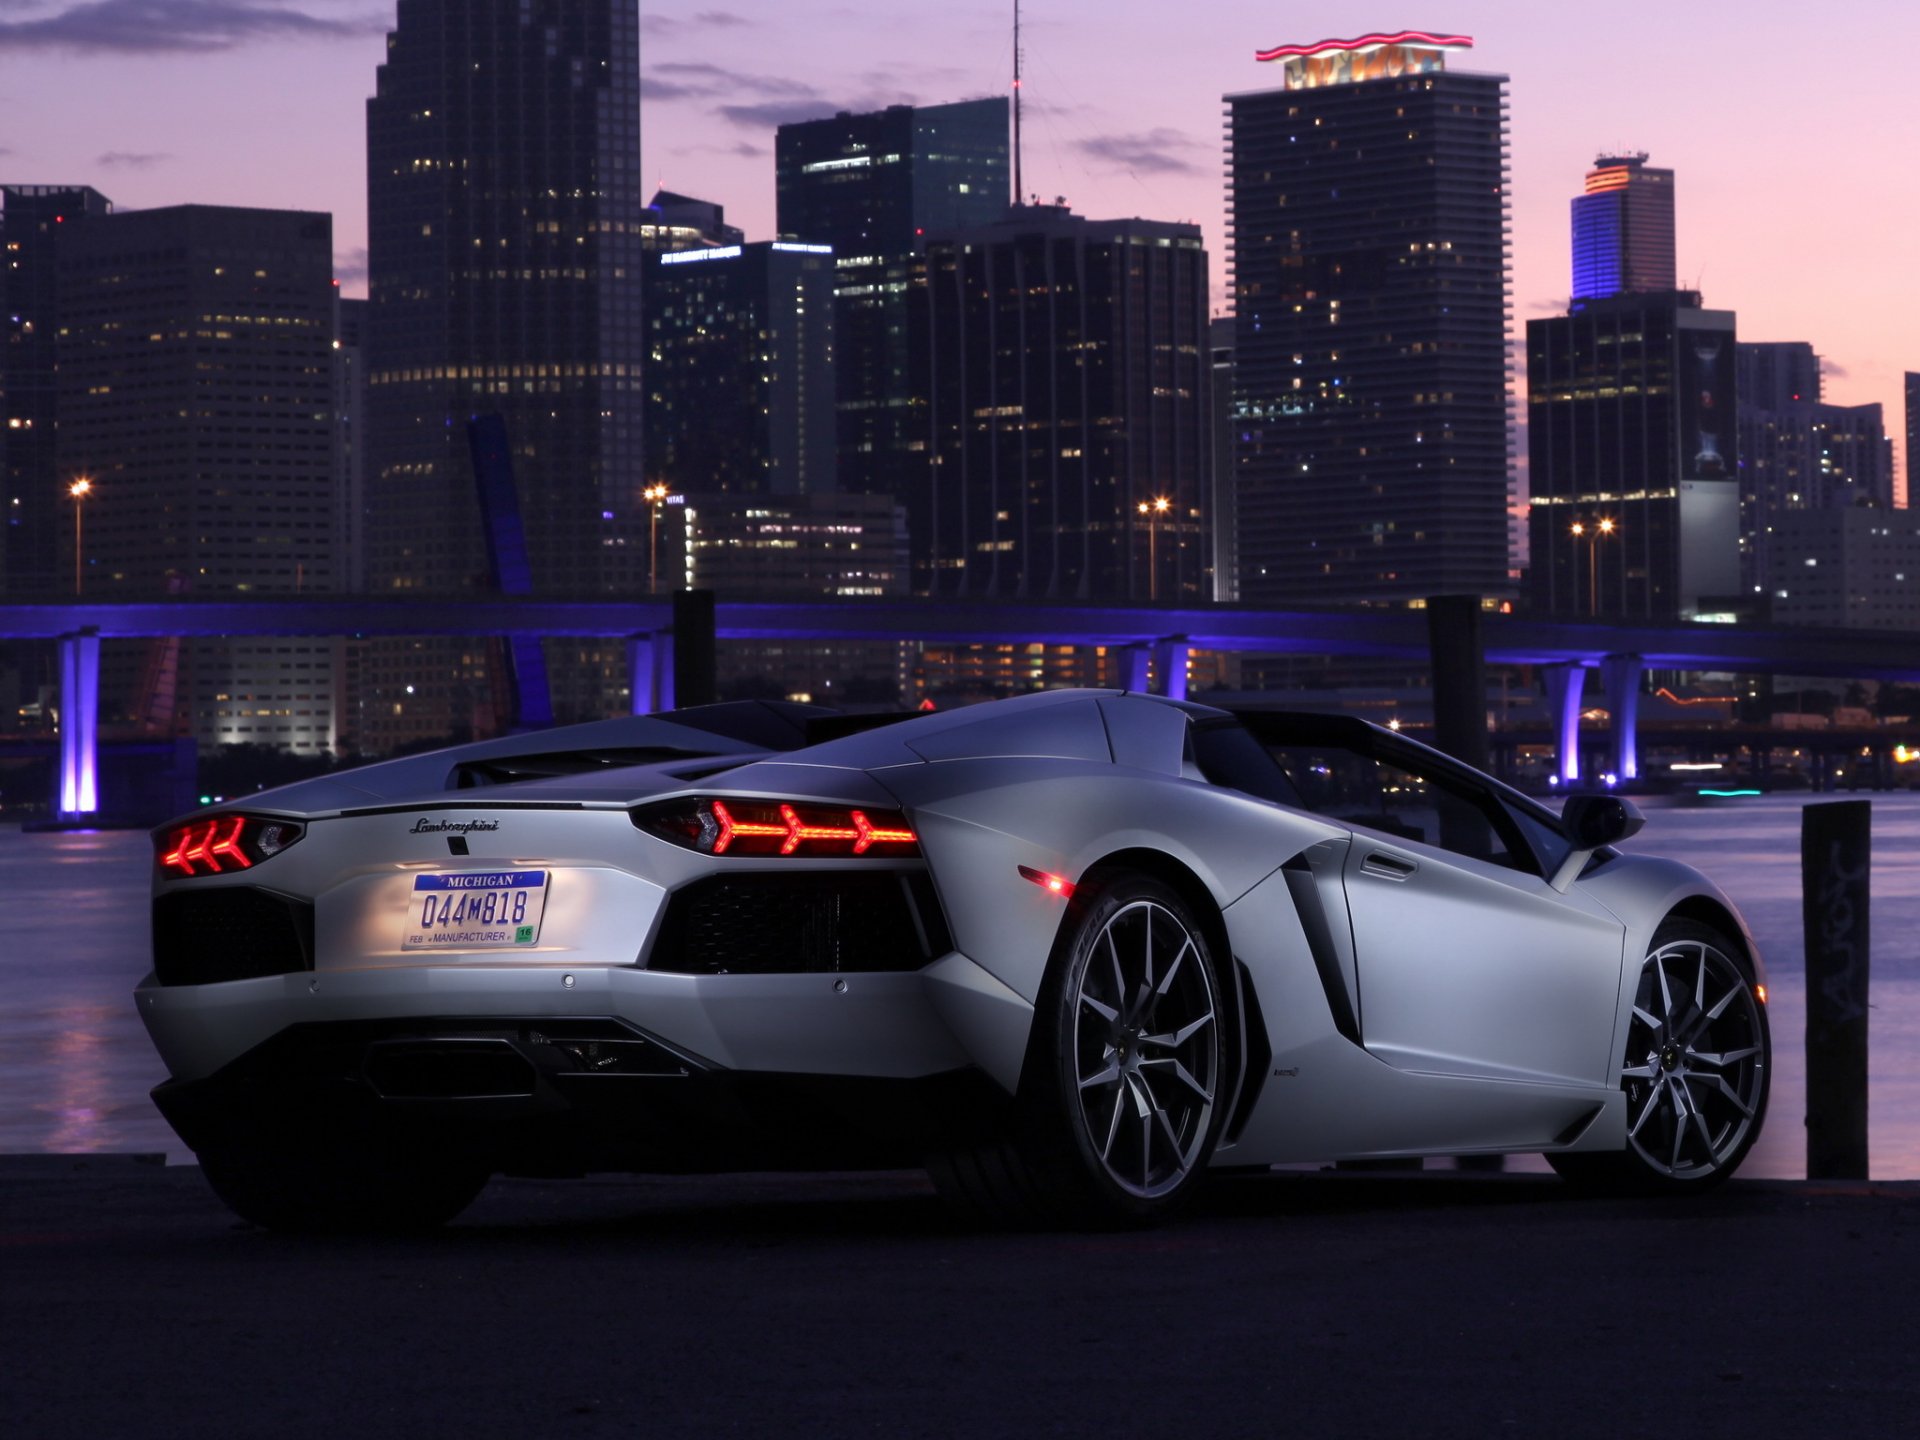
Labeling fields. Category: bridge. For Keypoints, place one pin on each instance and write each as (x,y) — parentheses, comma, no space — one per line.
(1156,640)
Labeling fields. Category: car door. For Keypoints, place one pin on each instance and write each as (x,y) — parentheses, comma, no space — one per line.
(1469,962)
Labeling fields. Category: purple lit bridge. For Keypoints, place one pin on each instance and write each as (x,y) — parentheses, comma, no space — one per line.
(1157,640)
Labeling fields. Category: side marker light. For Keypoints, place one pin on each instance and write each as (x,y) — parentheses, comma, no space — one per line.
(1760,993)
(1052,884)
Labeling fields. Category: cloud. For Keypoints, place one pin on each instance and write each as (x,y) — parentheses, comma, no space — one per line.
(661,26)
(143,27)
(1835,369)
(350,265)
(1159,151)
(775,113)
(132,159)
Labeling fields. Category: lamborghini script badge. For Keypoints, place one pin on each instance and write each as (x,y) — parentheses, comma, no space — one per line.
(452,827)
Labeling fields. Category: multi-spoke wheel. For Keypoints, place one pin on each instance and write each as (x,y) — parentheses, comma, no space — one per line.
(1145,1048)
(1123,1092)
(1696,1067)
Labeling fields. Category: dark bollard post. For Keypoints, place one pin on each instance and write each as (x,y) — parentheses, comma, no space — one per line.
(693,648)
(1459,678)
(1835,855)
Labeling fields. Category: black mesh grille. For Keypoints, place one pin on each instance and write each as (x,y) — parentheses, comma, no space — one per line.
(232,933)
(820,922)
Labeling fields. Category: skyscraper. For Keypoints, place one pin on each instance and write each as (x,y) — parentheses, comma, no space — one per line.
(740,369)
(1635,501)
(1912,490)
(1798,453)
(197,393)
(873,186)
(1368,204)
(504,244)
(36,223)
(1072,430)
(1623,230)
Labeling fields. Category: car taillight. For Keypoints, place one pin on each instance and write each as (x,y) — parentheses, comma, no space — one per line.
(221,844)
(776,827)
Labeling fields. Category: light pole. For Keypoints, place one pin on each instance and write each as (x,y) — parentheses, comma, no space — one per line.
(1599,530)
(654,494)
(80,489)
(1160,506)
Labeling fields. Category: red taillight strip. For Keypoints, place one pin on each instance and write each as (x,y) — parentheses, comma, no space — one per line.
(798,830)
(229,846)
(871,834)
(730,827)
(177,857)
(197,851)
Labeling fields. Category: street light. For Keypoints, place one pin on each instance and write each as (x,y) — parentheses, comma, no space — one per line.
(1160,506)
(79,490)
(1601,529)
(653,494)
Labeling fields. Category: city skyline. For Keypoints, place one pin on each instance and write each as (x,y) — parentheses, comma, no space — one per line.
(156,103)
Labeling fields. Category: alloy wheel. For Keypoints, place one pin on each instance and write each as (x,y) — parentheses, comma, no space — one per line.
(1696,1066)
(1146,1048)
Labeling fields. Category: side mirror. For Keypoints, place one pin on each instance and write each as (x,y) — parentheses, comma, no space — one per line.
(1596,820)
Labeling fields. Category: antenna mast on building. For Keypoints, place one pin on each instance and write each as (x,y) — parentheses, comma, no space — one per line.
(1019,190)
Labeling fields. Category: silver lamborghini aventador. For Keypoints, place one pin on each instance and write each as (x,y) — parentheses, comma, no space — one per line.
(1068,951)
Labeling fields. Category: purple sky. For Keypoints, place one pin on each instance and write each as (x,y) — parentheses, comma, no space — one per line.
(1792,127)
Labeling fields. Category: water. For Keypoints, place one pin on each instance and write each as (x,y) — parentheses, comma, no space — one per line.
(75,1065)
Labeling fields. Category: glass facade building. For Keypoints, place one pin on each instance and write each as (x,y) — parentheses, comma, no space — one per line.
(1369,267)
(873,186)
(1070,377)
(505,217)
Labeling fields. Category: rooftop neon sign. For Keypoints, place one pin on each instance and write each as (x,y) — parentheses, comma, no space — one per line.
(1377,56)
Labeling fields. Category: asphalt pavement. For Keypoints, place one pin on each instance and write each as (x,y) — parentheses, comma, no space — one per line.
(1435,1304)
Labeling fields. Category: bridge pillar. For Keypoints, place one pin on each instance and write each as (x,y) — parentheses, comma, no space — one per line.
(1621,676)
(79,724)
(1170,659)
(1564,683)
(650,671)
(1139,658)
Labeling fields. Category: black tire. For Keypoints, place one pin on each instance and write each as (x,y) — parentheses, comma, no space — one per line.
(327,1192)
(1124,1089)
(1696,1073)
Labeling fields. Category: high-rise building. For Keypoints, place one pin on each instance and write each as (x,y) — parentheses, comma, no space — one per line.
(197,393)
(1226,549)
(1634,496)
(680,222)
(1857,568)
(1912,491)
(505,220)
(36,222)
(1798,452)
(873,186)
(1072,426)
(1623,230)
(1368,204)
(740,369)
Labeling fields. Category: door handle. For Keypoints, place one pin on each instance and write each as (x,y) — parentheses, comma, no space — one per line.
(1388,867)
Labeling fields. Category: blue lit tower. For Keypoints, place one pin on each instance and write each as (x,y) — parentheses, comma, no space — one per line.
(1623,230)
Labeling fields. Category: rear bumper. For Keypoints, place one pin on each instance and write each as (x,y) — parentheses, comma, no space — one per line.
(885,1025)
(537,1095)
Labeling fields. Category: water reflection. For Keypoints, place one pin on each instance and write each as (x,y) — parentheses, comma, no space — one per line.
(75,1064)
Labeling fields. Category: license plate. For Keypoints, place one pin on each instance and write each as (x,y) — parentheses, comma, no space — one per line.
(477,910)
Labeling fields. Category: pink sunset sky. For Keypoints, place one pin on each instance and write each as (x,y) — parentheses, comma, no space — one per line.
(1792,127)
